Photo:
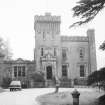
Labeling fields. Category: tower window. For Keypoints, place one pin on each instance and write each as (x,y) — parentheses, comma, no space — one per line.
(64,54)
(43,35)
(82,71)
(64,70)
(54,51)
(81,52)
(41,51)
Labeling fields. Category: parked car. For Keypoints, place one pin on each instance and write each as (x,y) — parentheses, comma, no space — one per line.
(15,85)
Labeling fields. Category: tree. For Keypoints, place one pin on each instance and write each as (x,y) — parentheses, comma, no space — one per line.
(6,82)
(37,77)
(4,49)
(102,46)
(92,78)
(87,10)
(97,77)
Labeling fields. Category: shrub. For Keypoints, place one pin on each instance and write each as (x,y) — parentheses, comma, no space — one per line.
(38,79)
(65,82)
(6,82)
(97,78)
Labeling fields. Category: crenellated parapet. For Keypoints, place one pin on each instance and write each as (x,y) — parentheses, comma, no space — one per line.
(74,39)
(47,18)
(47,25)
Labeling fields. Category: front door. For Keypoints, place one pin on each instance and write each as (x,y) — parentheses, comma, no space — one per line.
(49,72)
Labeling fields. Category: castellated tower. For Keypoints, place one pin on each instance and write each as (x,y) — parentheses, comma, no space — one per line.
(92,50)
(47,43)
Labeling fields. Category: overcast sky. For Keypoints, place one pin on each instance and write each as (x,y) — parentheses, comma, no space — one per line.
(17,24)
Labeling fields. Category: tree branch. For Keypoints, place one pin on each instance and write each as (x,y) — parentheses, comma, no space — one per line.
(87,10)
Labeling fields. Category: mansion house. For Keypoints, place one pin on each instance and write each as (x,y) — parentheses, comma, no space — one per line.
(59,56)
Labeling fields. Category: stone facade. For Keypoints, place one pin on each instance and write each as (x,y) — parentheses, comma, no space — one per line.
(72,57)
(17,70)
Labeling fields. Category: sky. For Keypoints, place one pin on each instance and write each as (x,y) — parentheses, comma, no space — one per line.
(17,25)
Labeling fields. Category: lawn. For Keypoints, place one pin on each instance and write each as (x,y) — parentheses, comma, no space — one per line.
(30,96)
(87,97)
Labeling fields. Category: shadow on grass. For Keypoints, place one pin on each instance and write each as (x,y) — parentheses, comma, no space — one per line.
(102,100)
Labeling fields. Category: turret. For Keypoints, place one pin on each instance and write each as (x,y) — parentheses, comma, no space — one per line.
(92,50)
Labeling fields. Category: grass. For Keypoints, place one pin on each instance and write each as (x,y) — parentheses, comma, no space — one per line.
(86,98)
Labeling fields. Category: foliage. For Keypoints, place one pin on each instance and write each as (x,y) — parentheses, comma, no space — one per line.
(92,78)
(87,10)
(38,80)
(97,77)
(102,46)
(6,82)
(4,49)
(38,77)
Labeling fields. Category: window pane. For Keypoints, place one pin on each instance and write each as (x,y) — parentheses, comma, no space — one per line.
(64,53)
(82,72)
(81,52)
(64,70)
(15,71)
(41,51)
(19,70)
(54,51)
(23,71)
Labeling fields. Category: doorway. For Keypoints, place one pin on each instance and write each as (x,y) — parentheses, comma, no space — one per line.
(49,72)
